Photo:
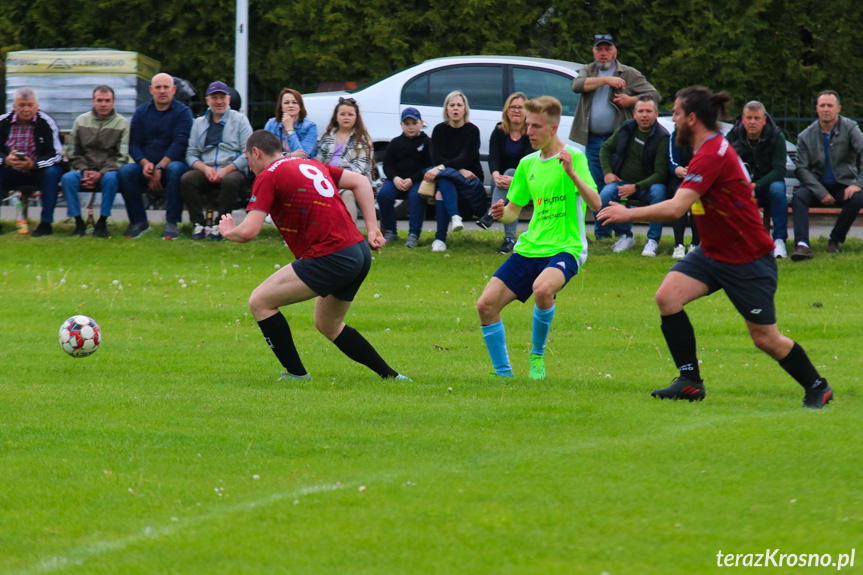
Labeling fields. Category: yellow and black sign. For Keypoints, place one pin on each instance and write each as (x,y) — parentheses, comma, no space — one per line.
(88,62)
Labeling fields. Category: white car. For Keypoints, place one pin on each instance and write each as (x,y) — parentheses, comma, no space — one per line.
(487,81)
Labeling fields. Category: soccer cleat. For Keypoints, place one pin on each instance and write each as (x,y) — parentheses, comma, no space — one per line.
(779,250)
(438,246)
(650,249)
(198,233)
(506,246)
(171,232)
(819,396)
(537,367)
(43,229)
(623,244)
(401,377)
(485,222)
(390,237)
(679,252)
(682,388)
(507,373)
(456,224)
(801,252)
(137,230)
(286,375)
(412,240)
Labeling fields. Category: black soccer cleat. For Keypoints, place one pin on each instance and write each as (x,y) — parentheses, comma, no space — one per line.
(818,396)
(682,388)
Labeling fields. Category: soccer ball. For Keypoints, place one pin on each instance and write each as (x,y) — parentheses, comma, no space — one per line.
(80,336)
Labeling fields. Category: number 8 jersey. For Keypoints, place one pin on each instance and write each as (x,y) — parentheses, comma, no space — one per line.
(303,199)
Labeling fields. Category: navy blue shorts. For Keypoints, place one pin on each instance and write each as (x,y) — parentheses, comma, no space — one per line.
(339,274)
(750,287)
(518,272)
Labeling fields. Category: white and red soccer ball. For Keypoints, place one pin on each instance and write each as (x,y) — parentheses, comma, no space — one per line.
(80,336)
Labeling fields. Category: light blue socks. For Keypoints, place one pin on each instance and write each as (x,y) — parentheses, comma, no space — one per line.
(541,326)
(495,341)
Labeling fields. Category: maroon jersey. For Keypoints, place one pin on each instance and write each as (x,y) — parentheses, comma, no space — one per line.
(303,199)
(726,214)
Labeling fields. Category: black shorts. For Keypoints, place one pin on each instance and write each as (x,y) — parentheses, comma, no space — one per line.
(339,274)
(750,287)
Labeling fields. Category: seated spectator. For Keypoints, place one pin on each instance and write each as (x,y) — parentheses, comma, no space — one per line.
(30,153)
(100,145)
(406,158)
(346,144)
(830,169)
(506,147)
(217,155)
(761,147)
(678,167)
(635,163)
(457,174)
(157,143)
(297,134)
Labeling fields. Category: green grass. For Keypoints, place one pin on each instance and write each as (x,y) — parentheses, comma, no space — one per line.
(174,450)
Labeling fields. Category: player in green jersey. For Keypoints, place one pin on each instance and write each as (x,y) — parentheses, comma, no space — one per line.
(556,178)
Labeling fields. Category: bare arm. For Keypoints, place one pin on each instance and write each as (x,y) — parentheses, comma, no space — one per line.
(586,191)
(365,197)
(506,214)
(666,211)
(248,229)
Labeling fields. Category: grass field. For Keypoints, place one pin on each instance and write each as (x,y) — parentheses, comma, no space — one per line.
(174,450)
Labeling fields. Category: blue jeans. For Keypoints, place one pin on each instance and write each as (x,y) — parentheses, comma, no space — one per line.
(453,187)
(132,179)
(498,194)
(778,202)
(386,202)
(654,195)
(72,183)
(594,143)
(804,198)
(48,180)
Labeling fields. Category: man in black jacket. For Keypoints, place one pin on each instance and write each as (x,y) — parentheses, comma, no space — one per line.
(30,153)
(761,147)
(635,167)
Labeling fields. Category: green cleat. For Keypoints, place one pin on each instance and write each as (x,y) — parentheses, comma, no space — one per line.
(537,367)
(287,375)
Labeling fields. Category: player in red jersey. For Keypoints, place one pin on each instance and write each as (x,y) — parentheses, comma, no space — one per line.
(332,256)
(736,252)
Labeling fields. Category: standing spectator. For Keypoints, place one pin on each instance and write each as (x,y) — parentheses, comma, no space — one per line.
(157,143)
(678,165)
(31,153)
(608,91)
(635,163)
(830,170)
(406,158)
(297,134)
(100,145)
(346,144)
(761,146)
(506,147)
(457,173)
(216,154)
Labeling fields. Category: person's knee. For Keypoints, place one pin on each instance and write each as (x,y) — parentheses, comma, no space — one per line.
(666,301)
(328,328)
(855,201)
(657,193)
(388,192)
(486,308)
(766,341)
(777,189)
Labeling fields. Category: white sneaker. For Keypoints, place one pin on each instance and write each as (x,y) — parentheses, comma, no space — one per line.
(623,244)
(691,249)
(679,252)
(438,246)
(650,249)
(779,250)
(456,224)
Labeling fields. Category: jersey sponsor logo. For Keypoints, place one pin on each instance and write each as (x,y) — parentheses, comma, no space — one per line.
(695,178)
(697,208)
(723,147)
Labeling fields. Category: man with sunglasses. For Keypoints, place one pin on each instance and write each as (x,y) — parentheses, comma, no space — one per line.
(609,91)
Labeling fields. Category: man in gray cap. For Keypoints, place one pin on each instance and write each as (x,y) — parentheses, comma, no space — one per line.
(608,91)
(216,154)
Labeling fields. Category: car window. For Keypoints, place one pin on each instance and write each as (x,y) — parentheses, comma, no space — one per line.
(483,86)
(535,82)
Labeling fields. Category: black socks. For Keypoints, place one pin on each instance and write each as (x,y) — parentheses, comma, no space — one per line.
(799,366)
(278,335)
(680,337)
(355,346)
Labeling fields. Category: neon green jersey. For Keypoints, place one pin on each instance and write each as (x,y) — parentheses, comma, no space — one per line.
(557,224)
